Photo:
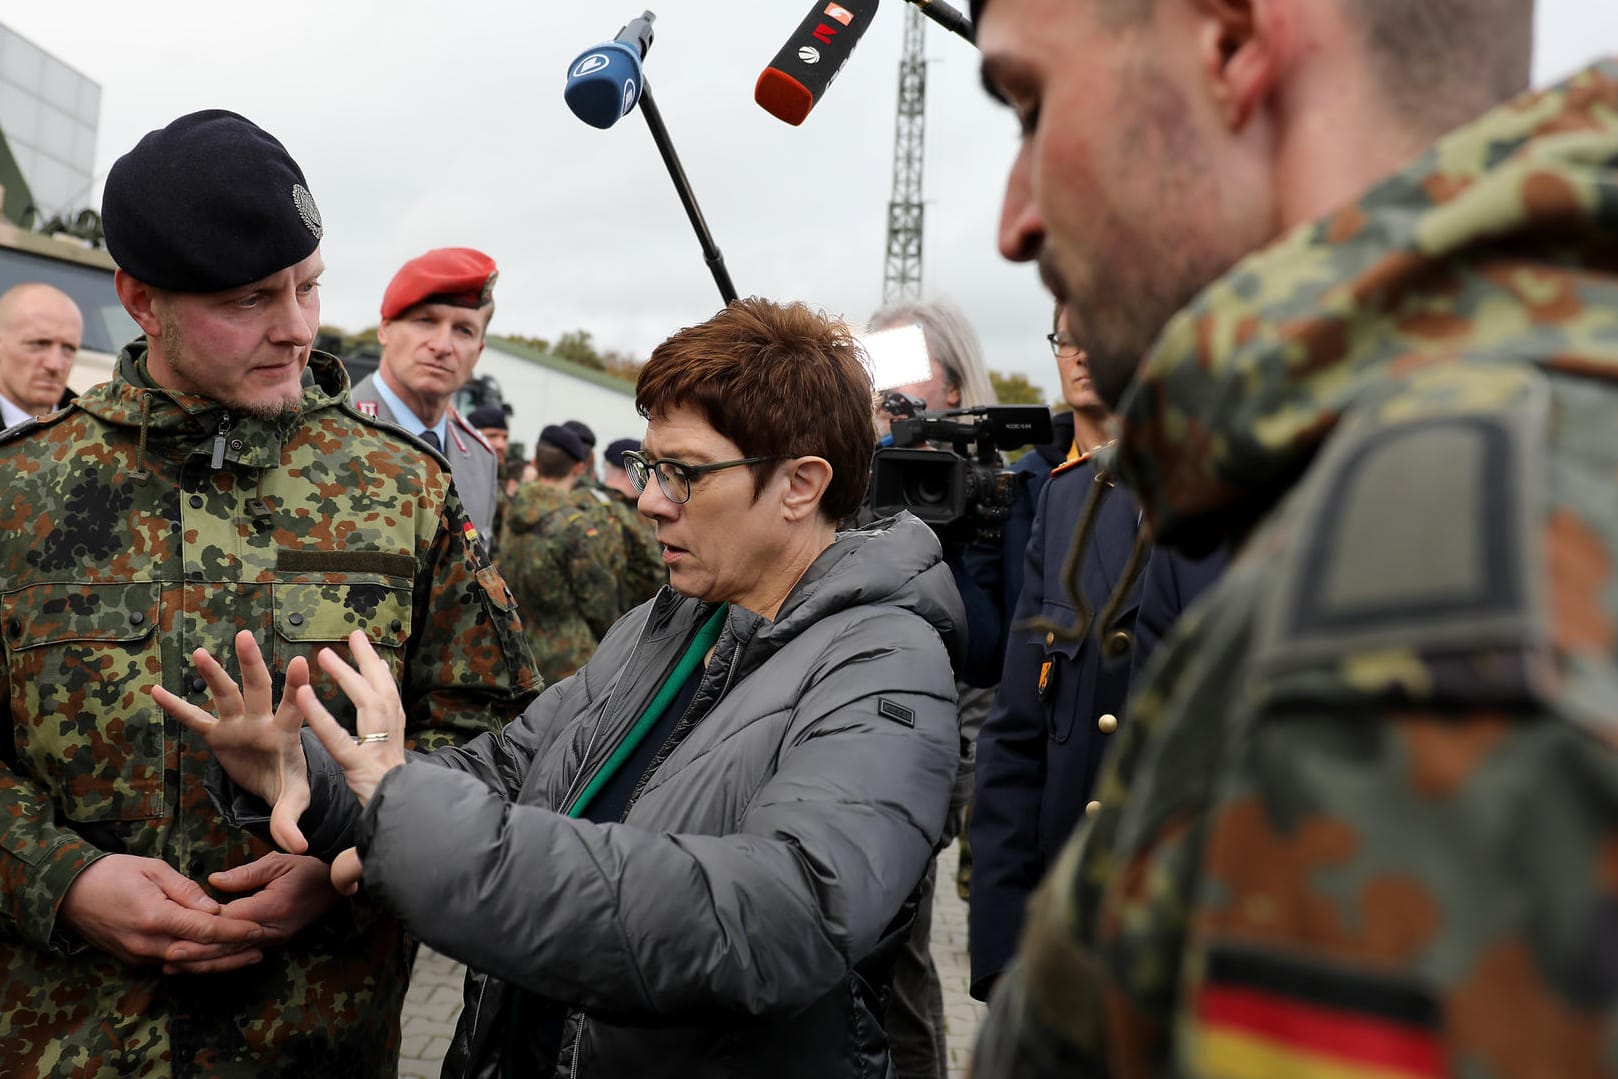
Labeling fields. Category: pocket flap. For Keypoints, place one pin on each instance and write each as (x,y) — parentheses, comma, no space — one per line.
(56,612)
(330,612)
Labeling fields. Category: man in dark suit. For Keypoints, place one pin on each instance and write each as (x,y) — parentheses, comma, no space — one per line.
(434,316)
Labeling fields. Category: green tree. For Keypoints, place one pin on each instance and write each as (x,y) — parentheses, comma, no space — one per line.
(538,344)
(1015,389)
(575,346)
(621,365)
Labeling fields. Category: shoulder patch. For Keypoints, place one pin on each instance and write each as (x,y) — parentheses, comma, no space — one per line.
(1413,569)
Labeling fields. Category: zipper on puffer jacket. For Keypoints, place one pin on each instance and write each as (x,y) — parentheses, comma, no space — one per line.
(669,745)
(681,729)
(582,776)
(578,1040)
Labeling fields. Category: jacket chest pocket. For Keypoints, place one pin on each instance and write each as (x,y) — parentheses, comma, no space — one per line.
(309,617)
(82,659)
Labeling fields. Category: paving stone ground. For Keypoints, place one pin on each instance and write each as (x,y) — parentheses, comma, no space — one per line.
(434,1001)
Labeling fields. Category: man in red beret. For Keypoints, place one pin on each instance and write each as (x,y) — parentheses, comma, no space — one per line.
(434,314)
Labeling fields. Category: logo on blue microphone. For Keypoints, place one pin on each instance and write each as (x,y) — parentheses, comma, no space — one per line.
(629,95)
(590,65)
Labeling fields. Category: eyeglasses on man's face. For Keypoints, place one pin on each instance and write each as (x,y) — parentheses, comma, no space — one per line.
(675,477)
(1063,346)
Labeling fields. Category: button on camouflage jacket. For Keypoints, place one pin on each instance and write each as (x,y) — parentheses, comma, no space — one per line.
(138,525)
(1364,819)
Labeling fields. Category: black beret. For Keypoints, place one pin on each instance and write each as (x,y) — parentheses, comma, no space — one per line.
(586,436)
(210,202)
(615,450)
(486,416)
(564,440)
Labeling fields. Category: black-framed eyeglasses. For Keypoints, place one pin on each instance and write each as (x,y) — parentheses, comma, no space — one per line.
(676,477)
(1062,346)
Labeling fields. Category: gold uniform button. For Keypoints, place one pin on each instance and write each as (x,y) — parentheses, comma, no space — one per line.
(1107,723)
(1050,639)
(1092,807)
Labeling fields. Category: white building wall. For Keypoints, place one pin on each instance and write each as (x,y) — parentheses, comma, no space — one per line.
(539,395)
(49,113)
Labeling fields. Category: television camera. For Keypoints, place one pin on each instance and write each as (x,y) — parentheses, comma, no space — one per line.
(946,467)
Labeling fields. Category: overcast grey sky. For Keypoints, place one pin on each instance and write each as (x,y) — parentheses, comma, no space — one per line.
(423,124)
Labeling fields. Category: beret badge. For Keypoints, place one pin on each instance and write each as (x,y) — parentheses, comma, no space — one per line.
(307,209)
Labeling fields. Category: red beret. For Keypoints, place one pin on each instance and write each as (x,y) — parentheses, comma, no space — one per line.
(453,275)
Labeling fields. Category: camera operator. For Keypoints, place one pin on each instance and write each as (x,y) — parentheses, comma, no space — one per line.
(915,1013)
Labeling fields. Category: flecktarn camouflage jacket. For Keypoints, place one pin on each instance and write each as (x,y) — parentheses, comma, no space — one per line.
(563,553)
(1364,818)
(138,525)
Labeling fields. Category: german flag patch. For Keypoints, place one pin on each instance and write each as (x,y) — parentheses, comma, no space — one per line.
(1259,1017)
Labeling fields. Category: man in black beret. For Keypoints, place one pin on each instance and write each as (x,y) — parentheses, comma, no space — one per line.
(490,422)
(616,478)
(217,493)
(560,550)
(644,571)
(587,438)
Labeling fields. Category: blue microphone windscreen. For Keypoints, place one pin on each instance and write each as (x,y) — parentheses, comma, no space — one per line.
(603,84)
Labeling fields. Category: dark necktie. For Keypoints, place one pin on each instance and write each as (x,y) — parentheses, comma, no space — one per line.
(431,438)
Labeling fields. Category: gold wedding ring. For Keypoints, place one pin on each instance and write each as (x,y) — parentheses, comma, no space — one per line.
(375,736)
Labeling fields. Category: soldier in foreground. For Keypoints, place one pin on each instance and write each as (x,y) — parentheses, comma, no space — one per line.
(219,482)
(1362,820)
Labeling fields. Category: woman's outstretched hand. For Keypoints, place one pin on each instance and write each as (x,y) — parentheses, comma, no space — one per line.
(377,746)
(256,742)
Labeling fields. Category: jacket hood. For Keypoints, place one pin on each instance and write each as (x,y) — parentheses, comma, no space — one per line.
(1499,239)
(132,399)
(896,561)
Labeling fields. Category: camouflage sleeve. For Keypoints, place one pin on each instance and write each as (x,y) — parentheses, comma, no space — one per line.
(1365,836)
(39,858)
(468,668)
(594,554)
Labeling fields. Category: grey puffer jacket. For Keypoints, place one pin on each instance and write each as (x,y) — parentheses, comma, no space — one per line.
(716,931)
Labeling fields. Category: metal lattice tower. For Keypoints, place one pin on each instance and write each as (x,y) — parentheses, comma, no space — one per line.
(901,276)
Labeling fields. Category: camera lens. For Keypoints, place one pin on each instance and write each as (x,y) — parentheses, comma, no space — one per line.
(927,488)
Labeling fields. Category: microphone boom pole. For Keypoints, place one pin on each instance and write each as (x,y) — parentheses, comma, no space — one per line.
(947,17)
(603,84)
(682,186)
